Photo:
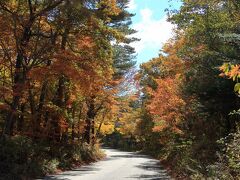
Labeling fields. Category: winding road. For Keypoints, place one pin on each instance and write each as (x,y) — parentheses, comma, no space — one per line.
(118,165)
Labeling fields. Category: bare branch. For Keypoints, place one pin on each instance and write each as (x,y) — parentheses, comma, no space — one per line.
(48,8)
(30,7)
(2,5)
(41,34)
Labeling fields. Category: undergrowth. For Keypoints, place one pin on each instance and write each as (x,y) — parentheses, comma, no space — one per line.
(22,158)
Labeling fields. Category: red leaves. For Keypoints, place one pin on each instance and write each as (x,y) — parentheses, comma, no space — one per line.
(166,105)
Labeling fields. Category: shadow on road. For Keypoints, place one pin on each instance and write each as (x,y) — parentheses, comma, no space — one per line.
(132,155)
(158,172)
(76,172)
(134,166)
(151,177)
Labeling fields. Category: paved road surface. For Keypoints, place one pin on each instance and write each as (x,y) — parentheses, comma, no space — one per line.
(118,165)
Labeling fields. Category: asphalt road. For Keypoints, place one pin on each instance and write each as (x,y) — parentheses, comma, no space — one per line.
(118,165)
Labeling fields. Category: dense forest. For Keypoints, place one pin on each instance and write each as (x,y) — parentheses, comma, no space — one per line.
(61,63)
(185,111)
(69,84)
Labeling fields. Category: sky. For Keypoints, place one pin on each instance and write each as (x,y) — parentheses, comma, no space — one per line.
(151,23)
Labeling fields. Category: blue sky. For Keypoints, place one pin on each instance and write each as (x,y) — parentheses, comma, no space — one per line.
(152,26)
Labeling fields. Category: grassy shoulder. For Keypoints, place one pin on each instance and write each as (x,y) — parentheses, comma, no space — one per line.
(22,158)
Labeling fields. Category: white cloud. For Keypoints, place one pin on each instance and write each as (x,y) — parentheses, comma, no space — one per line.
(132,5)
(153,33)
(146,14)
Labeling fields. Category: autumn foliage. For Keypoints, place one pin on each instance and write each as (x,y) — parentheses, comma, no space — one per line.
(188,107)
(57,69)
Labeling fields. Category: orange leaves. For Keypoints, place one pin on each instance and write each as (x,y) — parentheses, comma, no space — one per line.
(85,43)
(163,81)
(166,105)
(64,56)
(231,71)
(64,63)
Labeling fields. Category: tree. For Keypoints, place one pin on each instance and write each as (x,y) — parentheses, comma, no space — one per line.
(185,104)
(64,56)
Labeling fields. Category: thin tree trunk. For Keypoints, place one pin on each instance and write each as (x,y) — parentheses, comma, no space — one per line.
(60,92)
(21,119)
(41,104)
(73,123)
(90,121)
(79,120)
(33,111)
(17,91)
(93,131)
(88,131)
(100,125)
(19,78)
(60,96)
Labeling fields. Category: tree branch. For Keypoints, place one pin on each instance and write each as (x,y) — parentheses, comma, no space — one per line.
(48,8)
(5,8)
(2,5)
(30,7)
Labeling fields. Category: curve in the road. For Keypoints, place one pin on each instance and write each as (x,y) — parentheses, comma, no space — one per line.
(118,165)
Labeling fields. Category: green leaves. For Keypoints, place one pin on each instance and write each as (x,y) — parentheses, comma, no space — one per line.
(237,88)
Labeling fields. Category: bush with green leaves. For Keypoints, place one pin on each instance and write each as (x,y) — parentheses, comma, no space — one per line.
(22,157)
(228,164)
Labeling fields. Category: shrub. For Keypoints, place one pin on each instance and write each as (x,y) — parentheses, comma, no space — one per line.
(228,164)
(22,158)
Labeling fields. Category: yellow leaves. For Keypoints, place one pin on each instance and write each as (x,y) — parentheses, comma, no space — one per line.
(110,7)
(107,128)
(173,46)
(44,24)
(12,5)
(129,121)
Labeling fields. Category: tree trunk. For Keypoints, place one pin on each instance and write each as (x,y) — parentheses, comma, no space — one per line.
(73,123)
(61,92)
(19,82)
(79,122)
(93,131)
(21,119)
(40,105)
(19,78)
(100,125)
(90,121)
(33,111)
(88,131)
